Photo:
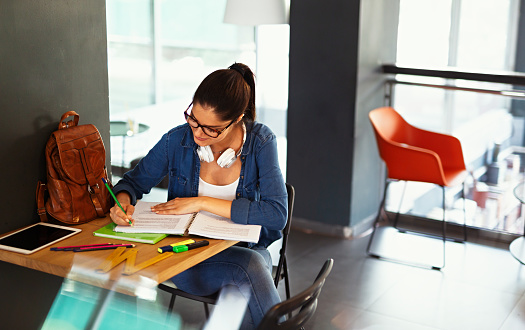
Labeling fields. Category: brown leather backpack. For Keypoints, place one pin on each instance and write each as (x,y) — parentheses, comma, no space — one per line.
(76,164)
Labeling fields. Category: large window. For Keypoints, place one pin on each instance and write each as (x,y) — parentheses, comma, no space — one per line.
(158,53)
(473,35)
(160,50)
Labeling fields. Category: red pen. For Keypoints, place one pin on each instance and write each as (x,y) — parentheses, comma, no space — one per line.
(103,247)
(68,248)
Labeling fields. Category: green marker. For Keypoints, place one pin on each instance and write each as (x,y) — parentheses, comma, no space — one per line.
(115,198)
(183,248)
(169,248)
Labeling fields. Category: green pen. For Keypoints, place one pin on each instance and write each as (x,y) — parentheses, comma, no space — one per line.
(115,198)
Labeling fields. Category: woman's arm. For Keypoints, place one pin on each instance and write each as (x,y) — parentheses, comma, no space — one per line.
(183,205)
(147,174)
(271,209)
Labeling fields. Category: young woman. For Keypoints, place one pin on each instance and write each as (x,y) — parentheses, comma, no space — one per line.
(221,161)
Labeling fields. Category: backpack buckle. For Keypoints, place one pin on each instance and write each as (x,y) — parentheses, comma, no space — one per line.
(90,189)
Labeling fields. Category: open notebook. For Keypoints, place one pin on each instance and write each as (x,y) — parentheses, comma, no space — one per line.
(201,224)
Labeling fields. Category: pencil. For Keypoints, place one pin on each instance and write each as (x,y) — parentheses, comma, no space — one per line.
(67,248)
(116,200)
(106,247)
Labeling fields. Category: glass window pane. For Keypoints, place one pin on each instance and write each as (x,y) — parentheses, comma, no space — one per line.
(130,54)
(423,41)
(483,34)
(423,34)
(196,42)
(129,19)
(130,76)
(199,24)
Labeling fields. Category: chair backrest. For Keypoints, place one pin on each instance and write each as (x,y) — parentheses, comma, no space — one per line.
(286,231)
(414,154)
(304,305)
(390,126)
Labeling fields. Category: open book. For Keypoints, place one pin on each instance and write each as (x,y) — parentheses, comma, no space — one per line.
(201,224)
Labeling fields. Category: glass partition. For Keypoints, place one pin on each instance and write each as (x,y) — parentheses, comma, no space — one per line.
(474,36)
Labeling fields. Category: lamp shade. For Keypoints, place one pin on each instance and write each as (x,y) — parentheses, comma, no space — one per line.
(255,12)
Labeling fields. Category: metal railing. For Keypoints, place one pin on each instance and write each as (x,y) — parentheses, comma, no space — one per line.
(501,77)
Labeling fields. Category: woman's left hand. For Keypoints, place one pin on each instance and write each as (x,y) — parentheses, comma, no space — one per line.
(178,206)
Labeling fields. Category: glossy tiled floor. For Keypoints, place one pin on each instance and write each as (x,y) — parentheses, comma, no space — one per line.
(481,287)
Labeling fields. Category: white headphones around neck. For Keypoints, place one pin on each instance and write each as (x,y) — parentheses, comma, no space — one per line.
(228,156)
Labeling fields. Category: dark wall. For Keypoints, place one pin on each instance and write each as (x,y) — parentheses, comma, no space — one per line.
(52,59)
(322,93)
(336,52)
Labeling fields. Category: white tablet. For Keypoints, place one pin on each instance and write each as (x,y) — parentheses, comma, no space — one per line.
(36,237)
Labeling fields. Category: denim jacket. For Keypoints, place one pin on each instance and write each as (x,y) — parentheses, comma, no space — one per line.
(261,197)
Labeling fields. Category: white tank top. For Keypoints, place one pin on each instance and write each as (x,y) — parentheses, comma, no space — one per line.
(226,192)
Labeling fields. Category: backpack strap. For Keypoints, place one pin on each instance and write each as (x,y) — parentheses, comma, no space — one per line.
(62,124)
(93,185)
(40,203)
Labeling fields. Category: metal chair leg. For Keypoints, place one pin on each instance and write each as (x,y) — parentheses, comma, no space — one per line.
(464,239)
(286,281)
(376,221)
(172,302)
(415,264)
(206,311)
(170,308)
(399,208)
(444,230)
(464,213)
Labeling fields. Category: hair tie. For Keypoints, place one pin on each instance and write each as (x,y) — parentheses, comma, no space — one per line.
(237,68)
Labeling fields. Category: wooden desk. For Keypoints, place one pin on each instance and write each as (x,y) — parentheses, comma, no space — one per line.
(81,266)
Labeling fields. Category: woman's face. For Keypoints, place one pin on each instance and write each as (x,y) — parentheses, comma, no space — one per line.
(208,117)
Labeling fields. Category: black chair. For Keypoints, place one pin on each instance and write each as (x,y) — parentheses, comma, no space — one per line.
(280,272)
(302,306)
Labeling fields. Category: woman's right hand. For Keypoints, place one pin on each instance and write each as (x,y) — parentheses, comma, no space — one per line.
(116,214)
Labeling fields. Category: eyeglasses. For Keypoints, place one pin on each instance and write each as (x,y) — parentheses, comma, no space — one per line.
(211,132)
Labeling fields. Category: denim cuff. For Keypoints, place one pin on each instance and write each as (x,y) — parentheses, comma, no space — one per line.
(239,211)
(127,188)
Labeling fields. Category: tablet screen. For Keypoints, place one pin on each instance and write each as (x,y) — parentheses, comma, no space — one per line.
(35,237)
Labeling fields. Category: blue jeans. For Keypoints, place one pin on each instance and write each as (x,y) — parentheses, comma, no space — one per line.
(247,269)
